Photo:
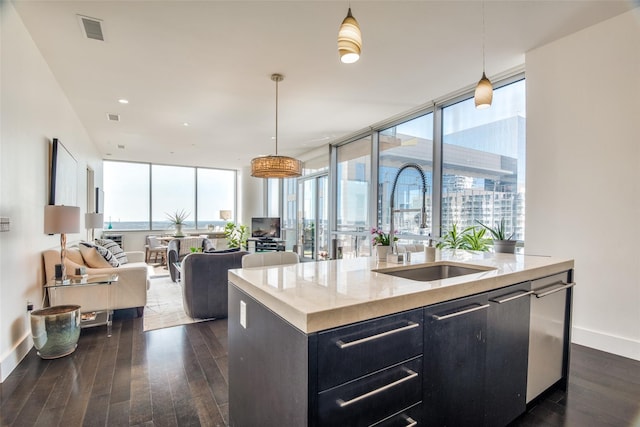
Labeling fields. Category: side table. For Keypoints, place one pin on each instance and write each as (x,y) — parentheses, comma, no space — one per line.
(58,296)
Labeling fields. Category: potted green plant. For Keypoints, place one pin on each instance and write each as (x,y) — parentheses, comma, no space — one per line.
(501,242)
(236,235)
(471,238)
(177,219)
(452,239)
(474,239)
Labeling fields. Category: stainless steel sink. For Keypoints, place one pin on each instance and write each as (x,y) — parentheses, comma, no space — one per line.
(432,272)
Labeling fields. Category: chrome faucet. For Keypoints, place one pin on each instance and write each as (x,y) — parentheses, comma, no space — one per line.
(423,212)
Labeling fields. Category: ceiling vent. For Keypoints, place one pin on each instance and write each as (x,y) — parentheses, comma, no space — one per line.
(91,27)
(113,117)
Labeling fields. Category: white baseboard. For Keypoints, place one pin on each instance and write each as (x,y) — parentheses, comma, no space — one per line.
(12,358)
(610,343)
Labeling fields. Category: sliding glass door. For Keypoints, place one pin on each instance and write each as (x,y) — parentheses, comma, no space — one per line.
(313,218)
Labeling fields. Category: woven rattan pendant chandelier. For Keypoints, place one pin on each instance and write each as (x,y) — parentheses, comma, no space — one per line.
(276,166)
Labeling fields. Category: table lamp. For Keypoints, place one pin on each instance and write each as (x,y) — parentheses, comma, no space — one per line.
(225,214)
(61,220)
(92,221)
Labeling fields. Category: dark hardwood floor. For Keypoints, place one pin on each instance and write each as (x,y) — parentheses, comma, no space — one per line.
(178,377)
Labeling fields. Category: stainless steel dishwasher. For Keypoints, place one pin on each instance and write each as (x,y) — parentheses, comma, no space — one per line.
(549,337)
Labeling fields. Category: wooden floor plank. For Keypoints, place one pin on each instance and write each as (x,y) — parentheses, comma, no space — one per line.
(140,410)
(179,377)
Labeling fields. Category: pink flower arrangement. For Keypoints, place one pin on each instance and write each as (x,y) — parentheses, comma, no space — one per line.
(380,237)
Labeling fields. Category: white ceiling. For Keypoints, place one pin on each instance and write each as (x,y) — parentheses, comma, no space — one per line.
(209,63)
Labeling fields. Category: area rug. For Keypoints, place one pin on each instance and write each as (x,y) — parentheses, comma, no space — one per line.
(164,305)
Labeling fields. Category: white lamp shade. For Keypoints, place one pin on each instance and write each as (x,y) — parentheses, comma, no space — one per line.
(93,220)
(61,219)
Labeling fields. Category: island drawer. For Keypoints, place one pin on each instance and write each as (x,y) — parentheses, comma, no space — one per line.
(373,397)
(350,352)
(409,417)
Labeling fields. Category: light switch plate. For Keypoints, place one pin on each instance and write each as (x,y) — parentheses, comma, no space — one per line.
(243,314)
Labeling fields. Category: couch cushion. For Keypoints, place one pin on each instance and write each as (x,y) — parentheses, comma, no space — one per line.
(97,256)
(114,248)
(74,255)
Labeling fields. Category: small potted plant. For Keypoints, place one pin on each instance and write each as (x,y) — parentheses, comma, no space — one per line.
(501,242)
(177,219)
(382,242)
(474,239)
(452,239)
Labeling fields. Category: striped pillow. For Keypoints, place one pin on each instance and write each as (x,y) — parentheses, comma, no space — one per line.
(114,248)
(96,256)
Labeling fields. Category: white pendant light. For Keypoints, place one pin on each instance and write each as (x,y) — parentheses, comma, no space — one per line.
(484,90)
(276,166)
(349,39)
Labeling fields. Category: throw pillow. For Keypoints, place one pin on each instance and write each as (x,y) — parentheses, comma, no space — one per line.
(114,248)
(97,256)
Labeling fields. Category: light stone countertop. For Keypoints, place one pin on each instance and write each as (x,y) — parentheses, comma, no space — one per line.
(314,296)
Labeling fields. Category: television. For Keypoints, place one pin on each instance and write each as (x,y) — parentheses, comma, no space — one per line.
(265,228)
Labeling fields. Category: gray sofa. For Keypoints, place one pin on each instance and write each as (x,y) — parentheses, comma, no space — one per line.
(179,248)
(205,283)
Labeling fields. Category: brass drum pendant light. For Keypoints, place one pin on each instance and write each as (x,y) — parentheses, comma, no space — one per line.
(484,90)
(349,40)
(276,166)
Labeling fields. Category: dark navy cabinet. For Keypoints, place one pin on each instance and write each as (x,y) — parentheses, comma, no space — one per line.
(476,358)
(507,353)
(454,360)
(369,371)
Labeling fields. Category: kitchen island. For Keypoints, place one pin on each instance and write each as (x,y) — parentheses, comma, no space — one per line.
(344,342)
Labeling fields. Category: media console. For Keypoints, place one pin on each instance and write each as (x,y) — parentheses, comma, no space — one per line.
(263,245)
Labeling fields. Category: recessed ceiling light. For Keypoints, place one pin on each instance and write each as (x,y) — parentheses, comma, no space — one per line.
(123,101)
(185,124)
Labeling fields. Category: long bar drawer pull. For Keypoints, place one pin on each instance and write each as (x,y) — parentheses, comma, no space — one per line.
(341,403)
(511,298)
(554,290)
(461,312)
(411,421)
(343,344)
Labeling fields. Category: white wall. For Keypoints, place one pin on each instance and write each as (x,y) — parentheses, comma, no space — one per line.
(251,196)
(34,110)
(583,174)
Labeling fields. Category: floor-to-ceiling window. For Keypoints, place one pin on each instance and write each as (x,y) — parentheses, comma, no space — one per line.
(173,189)
(216,197)
(407,143)
(472,160)
(483,177)
(353,175)
(289,210)
(139,196)
(127,197)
